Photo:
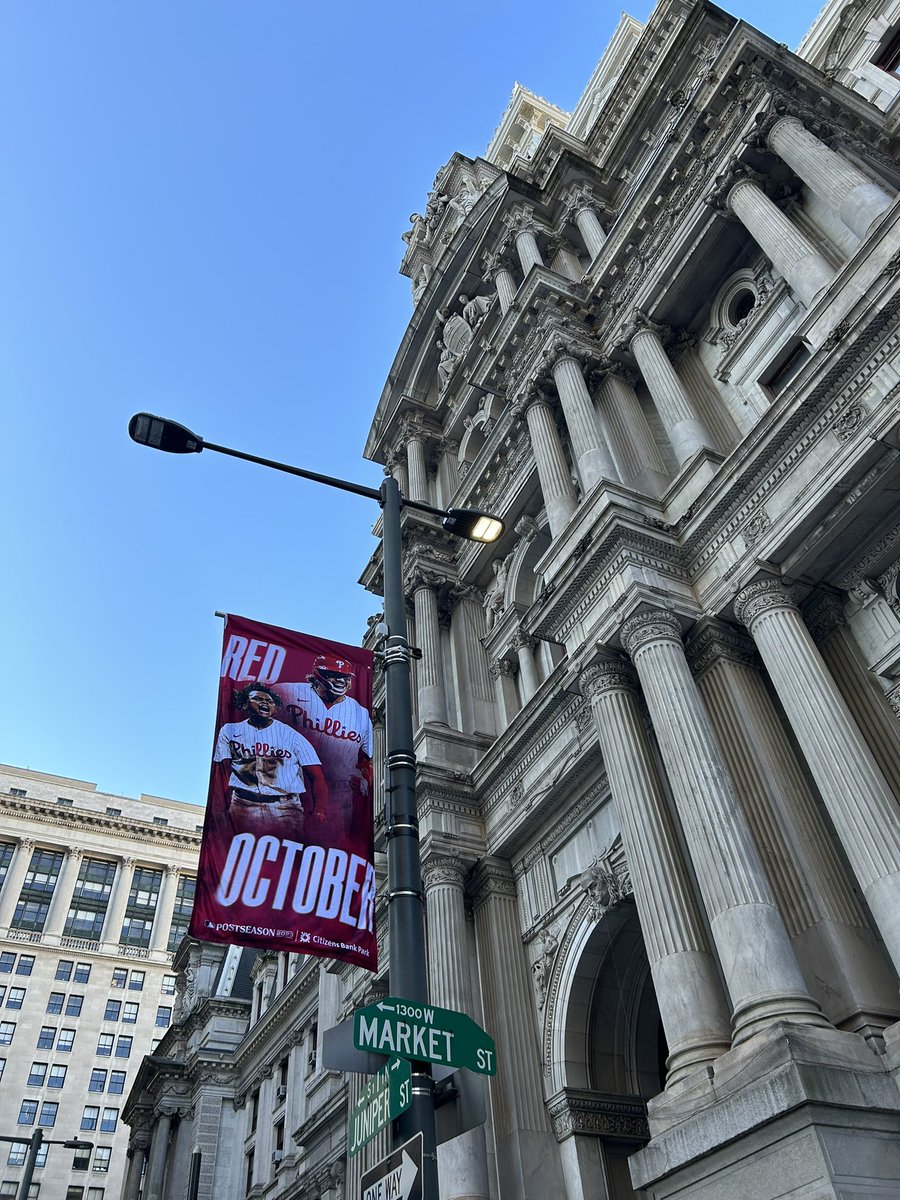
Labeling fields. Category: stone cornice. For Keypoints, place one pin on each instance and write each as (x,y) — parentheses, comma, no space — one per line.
(287,1008)
(573,1111)
(48,814)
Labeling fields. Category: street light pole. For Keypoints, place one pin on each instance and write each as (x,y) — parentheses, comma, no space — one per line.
(406,909)
(34,1149)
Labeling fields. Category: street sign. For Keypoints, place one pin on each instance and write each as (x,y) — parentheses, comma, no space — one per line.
(397,1177)
(385,1096)
(423,1033)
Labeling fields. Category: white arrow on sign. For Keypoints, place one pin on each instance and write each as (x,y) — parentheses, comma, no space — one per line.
(397,1185)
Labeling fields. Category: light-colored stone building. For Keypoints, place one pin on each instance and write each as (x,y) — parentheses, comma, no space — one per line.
(95,894)
(657,724)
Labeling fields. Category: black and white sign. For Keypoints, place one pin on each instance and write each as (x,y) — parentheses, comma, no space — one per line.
(397,1177)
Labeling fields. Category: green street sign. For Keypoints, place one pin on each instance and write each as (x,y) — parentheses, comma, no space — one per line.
(386,1095)
(423,1033)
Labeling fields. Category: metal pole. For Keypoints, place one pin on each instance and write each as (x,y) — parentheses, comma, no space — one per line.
(34,1149)
(406,911)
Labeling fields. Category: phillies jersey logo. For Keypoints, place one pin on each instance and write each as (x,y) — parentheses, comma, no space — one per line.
(330,726)
(257,750)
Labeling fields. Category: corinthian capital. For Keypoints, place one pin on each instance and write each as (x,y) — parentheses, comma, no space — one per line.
(610,675)
(447,870)
(654,625)
(641,323)
(577,198)
(521,219)
(762,596)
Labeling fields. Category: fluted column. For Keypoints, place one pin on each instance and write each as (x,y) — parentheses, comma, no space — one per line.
(765,984)
(553,473)
(137,1155)
(676,409)
(165,905)
(527,1156)
(857,199)
(564,259)
(691,1004)
(62,893)
(476,693)
(826,925)
(856,794)
(462,1161)
(448,469)
(589,447)
(15,877)
(507,700)
(430,681)
(118,899)
(497,266)
(156,1173)
(396,466)
(528,676)
(580,203)
(417,470)
(791,252)
(631,438)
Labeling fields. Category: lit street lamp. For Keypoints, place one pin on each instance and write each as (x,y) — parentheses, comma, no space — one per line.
(406,918)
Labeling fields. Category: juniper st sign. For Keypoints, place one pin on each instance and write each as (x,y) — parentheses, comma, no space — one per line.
(423,1033)
(386,1095)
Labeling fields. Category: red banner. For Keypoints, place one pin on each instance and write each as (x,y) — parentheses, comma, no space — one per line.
(287,859)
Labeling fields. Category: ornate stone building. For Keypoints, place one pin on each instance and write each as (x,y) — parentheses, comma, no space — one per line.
(95,895)
(657,724)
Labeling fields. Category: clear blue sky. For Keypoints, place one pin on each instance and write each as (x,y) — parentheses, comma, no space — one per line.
(200,216)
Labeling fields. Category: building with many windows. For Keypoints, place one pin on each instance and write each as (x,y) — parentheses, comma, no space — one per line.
(95,895)
(657,724)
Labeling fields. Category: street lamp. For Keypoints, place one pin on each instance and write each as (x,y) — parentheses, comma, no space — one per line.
(406,918)
(35,1142)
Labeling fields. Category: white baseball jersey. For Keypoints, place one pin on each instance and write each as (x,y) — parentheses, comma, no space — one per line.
(269,761)
(338,732)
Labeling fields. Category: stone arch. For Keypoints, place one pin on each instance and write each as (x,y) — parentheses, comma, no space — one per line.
(523,583)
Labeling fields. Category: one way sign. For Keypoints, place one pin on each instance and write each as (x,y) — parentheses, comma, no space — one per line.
(397,1177)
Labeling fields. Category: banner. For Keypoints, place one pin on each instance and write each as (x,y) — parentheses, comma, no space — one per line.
(287,859)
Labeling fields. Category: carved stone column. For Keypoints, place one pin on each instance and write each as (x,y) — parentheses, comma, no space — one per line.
(165,905)
(417,470)
(118,899)
(62,893)
(499,268)
(631,439)
(503,674)
(676,409)
(523,226)
(580,206)
(396,466)
(528,676)
(592,457)
(791,252)
(463,1160)
(476,693)
(846,971)
(447,469)
(156,1172)
(15,877)
(761,972)
(858,201)
(856,794)
(553,473)
(430,674)
(137,1156)
(564,259)
(527,1155)
(691,1004)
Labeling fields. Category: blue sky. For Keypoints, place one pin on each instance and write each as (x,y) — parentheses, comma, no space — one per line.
(200,216)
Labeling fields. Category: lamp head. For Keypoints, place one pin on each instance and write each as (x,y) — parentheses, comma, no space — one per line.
(161,434)
(473,524)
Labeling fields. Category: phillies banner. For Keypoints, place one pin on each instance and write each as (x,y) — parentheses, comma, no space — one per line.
(287,859)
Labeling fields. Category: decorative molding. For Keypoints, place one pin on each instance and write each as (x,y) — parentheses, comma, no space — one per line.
(762,596)
(590,1113)
(650,626)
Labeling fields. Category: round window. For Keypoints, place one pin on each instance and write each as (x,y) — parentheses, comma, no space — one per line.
(740,305)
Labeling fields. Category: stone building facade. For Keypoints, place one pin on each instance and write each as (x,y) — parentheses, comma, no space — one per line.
(657,724)
(95,895)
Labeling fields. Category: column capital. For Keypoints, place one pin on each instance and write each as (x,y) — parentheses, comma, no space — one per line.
(462,593)
(27,843)
(642,323)
(498,259)
(173,870)
(521,640)
(762,596)
(823,613)
(411,427)
(521,219)
(608,675)
(653,625)
(446,869)
(502,666)
(736,173)
(577,197)
(715,641)
(492,877)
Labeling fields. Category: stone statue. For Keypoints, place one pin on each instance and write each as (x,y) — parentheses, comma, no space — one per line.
(475,310)
(446,365)
(456,332)
(543,965)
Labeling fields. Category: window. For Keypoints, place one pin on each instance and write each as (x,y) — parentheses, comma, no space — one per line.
(181,914)
(95,1193)
(2,1066)
(7,959)
(20,792)
(123,1047)
(28,1112)
(119,977)
(74,1192)
(788,364)
(9,1188)
(254,1111)
(64,969)
(136,982)
(141,907)
(279,1135)
(105,1045)
(73,1006)
(6,853)
(7,1030)
(18,1152)
(46,1037)
(90,900)
(15,998)
(109,1120)
(66,1040)
(102,1155)
(57,1077)
(90,1116)
(2,993)
(55,1002)
(163,1016)
(116,1082)
(97,1081)
(66,803)
(112,1011)
(887,57)
(130,1013)
(37,1074)
(167,987)
(26,964)
(37,890)
(249,1171)
(82,972)
(113,812)
(49,1109)
(160,820)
